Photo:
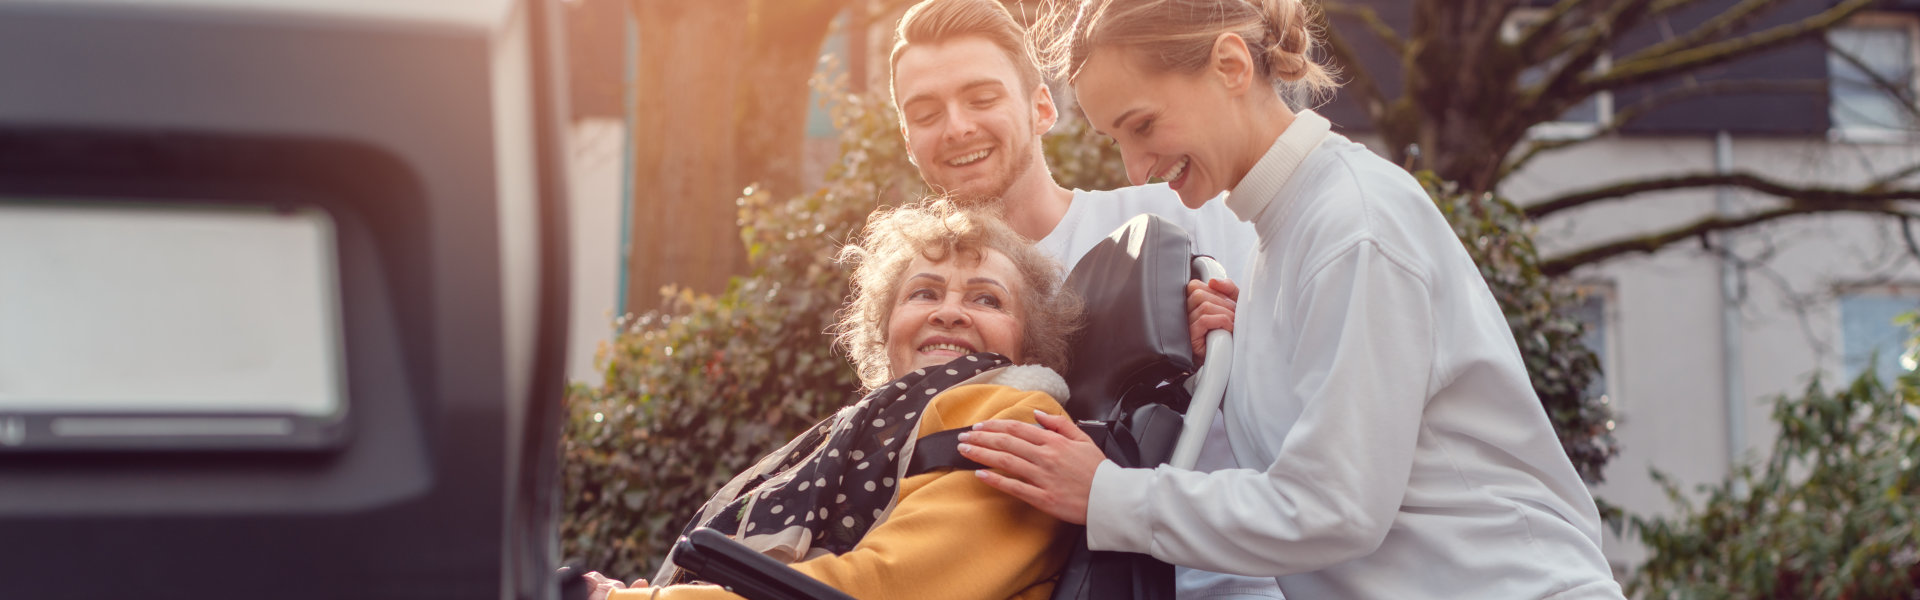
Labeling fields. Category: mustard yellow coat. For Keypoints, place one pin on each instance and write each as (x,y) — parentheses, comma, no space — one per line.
(950,537)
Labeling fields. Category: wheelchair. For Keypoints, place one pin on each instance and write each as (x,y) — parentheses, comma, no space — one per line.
(1135,391)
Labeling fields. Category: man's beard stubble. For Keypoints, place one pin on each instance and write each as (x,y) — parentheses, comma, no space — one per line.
(993,198)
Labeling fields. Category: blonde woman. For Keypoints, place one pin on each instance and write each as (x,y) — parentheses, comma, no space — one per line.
(1403,452)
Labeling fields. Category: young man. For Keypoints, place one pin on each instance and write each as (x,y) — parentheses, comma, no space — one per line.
(972,108)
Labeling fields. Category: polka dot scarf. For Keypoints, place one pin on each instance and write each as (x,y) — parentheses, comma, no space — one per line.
(825,489)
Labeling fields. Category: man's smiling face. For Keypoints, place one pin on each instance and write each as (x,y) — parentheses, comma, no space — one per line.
(970,127)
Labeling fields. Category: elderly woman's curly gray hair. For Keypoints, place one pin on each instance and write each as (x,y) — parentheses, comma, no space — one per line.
(937,230)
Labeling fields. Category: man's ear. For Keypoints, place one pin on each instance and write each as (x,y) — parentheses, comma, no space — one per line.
(1232,62)
(1045,113)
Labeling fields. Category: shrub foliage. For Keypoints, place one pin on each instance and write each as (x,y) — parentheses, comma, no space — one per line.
(1833,513)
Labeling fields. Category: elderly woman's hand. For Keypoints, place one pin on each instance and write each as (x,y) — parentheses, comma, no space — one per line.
(1210,306)
(1050,467)
(604,586)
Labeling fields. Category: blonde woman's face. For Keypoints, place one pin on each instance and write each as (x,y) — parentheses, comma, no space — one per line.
(951,308)
(1171,127)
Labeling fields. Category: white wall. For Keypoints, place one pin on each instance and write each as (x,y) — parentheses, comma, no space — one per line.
(1668,381)
(598,147)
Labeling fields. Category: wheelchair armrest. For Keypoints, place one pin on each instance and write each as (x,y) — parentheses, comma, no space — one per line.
(715,558)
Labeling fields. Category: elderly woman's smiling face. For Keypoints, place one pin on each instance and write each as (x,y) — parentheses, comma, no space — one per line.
(954,307)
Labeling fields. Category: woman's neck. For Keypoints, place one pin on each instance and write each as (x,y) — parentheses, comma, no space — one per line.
(1266,116)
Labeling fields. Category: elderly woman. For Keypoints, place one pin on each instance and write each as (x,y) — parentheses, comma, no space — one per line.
(955,319)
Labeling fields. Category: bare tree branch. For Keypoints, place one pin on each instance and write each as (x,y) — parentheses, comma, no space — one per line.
(1885,183)
(1637,70)
(1624,116)
(1560,265)
(1714,29)
(1357,80)
(1809,195)
(1565,85)
(1371,19)
(1553,27)
(1900,91)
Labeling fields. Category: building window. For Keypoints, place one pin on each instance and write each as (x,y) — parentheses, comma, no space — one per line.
(1583,119)
(1869,334)
(1596,311)
(1871,78)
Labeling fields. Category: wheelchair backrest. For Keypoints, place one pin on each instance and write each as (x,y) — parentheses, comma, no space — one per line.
(1135,339)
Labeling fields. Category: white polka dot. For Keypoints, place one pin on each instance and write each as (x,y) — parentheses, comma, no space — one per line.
(803,485)
(822,482)
(848,522)
(920,371)
(777,508)
(973,358)
(823,513)
(869,486)
(901,385)
(877,512)
(911,414)
(789,520)
(888,481)
(882,422)
(890,455)
(809,516)
(833,453)
(857,455)
(931,392)
(953,372)
(840,498)
(889,442)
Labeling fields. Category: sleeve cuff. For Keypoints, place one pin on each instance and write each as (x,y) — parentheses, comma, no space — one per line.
(1117,509)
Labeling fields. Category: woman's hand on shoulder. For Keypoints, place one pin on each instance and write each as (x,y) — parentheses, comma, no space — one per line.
(1050,467)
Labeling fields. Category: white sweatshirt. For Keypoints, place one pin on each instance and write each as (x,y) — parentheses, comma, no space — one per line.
(1216,232)
(1405,454)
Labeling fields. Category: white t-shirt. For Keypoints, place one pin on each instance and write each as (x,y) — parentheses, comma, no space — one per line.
(1094,215)
(1397,446)
(1216,232)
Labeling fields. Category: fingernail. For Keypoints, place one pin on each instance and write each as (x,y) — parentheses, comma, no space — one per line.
(1037,413)
(965,448)
(982,473)
(963,436)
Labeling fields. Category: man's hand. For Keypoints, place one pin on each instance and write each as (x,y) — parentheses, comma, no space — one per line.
(1050,467)
(1210,306)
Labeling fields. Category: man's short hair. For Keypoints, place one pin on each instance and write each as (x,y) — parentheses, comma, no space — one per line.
(937,21)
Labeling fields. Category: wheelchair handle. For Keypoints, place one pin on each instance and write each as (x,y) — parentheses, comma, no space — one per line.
(1210,383)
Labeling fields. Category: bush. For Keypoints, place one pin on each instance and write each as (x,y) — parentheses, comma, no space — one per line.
(1834,512)
(1499,237)
(700,389)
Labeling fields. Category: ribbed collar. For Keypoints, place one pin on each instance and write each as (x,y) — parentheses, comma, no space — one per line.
(1264,180)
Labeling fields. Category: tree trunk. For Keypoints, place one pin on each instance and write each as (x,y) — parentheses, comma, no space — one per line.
(785,38)
(685,176)
(721,104)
